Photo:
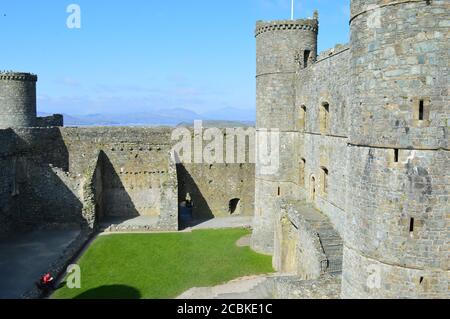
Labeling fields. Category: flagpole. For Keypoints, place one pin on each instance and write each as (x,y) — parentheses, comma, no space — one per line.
(292,9)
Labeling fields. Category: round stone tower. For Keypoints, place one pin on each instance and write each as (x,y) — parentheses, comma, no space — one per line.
(17,99)
(281,46)
(396,236)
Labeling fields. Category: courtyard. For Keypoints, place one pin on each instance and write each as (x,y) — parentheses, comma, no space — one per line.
(163,265)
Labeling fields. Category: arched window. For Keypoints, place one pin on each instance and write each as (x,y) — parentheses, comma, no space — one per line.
(324,115)
(302,118)
(301,177)
(324,180)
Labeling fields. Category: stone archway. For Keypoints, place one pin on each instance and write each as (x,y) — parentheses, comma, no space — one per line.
(234,206)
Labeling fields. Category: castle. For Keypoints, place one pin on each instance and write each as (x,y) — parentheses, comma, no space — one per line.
(360,200)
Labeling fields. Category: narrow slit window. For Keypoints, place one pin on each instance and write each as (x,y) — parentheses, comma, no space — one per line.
(324,115)
(306,55)
(302,172)
(325,180)
(279,191)
(396,155)
(302,118)
(421,110)
(411,225)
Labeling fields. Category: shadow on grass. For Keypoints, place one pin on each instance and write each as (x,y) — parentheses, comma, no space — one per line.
(110,292)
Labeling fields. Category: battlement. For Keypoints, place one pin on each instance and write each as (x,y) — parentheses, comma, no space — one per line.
(17,76)
(303,24)
(339,48)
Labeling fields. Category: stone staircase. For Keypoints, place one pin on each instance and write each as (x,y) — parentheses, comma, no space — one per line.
(320,225)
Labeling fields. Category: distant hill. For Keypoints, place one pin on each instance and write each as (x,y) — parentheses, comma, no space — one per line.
(218,124)
(228,117)
(169,117)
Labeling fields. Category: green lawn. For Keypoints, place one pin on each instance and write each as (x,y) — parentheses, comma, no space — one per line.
(163,265)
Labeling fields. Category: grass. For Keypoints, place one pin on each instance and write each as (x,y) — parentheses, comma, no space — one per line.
(158,266)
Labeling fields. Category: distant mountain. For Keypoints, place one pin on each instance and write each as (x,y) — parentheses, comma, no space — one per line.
(219,124)
(226,117)
(161,117)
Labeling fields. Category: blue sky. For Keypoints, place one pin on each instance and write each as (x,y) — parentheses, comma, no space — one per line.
(148,55)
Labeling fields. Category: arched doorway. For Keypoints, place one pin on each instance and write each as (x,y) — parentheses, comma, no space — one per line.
(234,206)
(313,188)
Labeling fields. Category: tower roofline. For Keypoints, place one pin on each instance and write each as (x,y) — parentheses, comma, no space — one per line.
(280,25)
(18,76)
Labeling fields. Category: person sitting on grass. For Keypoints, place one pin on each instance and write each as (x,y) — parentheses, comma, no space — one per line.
(46,282)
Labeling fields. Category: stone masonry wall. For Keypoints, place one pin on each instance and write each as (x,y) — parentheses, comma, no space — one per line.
(37,192)
(396,235)
(134,166)
(17,99)
(326,81)
(7,171)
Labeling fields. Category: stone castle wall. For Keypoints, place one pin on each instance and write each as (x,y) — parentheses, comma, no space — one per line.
(398,189)
(7,201)
(135,166)
(57,175)
(324,147)
(365,141)
(35,194)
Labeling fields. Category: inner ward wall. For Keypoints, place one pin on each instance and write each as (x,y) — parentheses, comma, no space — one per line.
(323,146)
(135,173)
(7,202)
(36,190)
(134,165)
(220,189)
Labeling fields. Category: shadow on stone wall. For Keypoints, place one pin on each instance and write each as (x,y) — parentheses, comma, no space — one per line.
(41,190)
(200,211)
(117,203)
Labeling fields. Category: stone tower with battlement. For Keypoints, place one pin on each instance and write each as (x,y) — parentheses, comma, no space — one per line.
(282,46)
(17,99)
(396,234)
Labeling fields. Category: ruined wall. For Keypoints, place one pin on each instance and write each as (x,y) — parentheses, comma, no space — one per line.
(37,192)
(134,165)
(80,175)
(7,171)
(224,188)
(323,133)
(50,121)
(138,176)
(214,188)
(396,235)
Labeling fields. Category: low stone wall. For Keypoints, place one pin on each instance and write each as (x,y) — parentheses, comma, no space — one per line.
(50,121)
(291,287)
(298,249)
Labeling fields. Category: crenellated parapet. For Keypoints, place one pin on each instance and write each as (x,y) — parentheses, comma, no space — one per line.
(280,25)
(18,76)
